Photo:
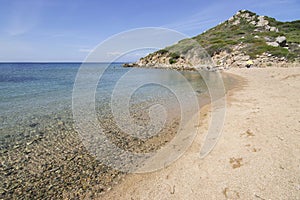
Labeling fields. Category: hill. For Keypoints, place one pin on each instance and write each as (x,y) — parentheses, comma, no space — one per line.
(244,37)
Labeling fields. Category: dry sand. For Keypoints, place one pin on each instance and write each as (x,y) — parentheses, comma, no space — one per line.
(257,156)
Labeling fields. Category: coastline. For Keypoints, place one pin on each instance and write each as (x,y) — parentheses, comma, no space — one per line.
(257,156)
(43,155)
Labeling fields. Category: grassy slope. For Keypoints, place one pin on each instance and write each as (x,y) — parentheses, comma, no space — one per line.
(226,35)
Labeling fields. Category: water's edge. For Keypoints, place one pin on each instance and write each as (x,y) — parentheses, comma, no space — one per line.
(45,157)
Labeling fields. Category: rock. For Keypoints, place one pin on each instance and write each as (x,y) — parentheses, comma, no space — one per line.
(253,23)
(32,125)
(282,59)
(273,44)
(241,58)
(267,27)
(236,22)
(281,40)
(274,29)
(262,22)
(129,65)
(245,15)
(256,36)
(268,39)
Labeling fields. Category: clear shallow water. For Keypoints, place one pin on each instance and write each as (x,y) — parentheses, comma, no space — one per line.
(41,154)
(40,89)
(35,87)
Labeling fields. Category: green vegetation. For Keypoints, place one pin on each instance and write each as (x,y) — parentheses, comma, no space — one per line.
(162,51)
(292,30)
(226,35)
(257,48)
(174,55)
(241,31)
(172,61)
(182,47)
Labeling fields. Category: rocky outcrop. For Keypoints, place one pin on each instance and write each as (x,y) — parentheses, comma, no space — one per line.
(130,65)
(243,38)
(165,59)
(225,60)
(260,22)
(169,59)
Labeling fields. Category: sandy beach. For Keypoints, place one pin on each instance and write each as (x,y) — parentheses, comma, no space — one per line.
(256,157)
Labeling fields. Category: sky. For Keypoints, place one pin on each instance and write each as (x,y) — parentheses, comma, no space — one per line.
(68,30)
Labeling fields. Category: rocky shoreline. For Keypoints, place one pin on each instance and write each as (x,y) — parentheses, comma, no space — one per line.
(220,61)
(47,159)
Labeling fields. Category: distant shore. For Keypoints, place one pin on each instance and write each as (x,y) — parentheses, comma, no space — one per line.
(257,156)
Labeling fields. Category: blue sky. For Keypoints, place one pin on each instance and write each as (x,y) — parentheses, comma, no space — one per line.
(66,30)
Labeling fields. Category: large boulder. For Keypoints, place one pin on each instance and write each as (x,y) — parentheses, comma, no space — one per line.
(281,40)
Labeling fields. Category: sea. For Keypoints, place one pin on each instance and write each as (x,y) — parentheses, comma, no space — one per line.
(41,155)
(38,90)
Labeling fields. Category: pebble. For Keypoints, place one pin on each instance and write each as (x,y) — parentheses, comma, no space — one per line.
(50,160)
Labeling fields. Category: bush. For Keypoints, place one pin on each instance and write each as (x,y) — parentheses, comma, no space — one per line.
(174,55)
(172,61)
(162,51)
(224,36)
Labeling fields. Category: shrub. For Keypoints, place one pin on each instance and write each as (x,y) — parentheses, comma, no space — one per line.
(162,51)
(174,55)
(172,61)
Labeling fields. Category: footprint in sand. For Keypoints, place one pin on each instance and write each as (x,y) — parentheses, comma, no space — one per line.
(248,133)
(252,149)
(231,194)
(236,162)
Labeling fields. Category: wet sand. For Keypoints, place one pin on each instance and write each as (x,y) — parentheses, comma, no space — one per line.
(256,157)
